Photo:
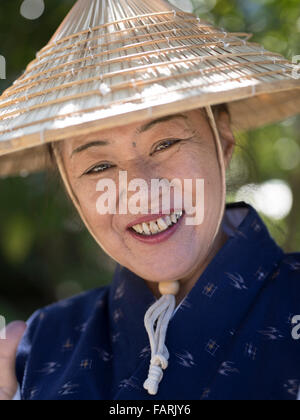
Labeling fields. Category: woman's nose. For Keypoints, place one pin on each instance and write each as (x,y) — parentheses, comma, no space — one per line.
(143,170)
(139,180)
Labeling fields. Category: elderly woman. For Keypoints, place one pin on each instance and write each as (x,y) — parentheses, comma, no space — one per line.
(203,302)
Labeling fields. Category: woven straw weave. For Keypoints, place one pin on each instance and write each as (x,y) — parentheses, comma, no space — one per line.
(114,62)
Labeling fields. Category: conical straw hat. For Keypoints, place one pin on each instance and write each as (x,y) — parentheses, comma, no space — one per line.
(116,62)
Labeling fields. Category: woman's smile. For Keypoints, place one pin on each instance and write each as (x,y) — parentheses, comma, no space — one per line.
(155,229)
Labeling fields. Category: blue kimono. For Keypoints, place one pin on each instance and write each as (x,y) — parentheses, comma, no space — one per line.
(230,338)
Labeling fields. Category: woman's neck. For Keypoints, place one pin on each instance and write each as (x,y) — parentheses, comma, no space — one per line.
(188,283)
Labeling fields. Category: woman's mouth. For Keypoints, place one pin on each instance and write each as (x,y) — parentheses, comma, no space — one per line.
(158,230)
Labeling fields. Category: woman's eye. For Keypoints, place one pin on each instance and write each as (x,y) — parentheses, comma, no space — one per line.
(166,144)
(98,169)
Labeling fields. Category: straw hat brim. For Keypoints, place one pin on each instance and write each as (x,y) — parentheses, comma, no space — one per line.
(246,114)
(189,64)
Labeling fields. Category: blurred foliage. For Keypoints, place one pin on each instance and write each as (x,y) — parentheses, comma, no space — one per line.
(45,252)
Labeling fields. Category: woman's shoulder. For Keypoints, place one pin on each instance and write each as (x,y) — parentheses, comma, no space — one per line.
(286,279)
(72,310)
(293,260)
(290,267)
(79,301)
(55,328)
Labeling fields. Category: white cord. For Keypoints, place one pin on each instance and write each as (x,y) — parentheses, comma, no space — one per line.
(160,313)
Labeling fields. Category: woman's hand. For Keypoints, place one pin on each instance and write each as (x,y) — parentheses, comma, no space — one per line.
(8,350)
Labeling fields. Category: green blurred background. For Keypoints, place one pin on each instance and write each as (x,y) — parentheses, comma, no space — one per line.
(45,252)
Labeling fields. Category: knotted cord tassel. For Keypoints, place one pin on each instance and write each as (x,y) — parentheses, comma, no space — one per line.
(160,313)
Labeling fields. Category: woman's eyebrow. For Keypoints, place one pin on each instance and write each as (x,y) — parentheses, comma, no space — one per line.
(151,124)
(140,130)
(95,143)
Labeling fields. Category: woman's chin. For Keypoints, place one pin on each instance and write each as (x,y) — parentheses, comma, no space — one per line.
(167,270)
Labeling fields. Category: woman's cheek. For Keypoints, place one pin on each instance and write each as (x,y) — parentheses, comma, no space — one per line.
(89,197)
(205,168)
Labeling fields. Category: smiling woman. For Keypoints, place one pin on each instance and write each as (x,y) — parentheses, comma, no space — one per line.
(195,311)
(191,154)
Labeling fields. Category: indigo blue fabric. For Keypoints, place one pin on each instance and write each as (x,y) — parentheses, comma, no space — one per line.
(230,339)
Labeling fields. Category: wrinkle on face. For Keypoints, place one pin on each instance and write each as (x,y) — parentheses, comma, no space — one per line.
(191,158)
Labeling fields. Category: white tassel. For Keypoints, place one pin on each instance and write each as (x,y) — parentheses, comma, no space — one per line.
(160,312)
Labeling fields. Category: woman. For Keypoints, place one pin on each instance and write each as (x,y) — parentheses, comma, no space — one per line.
(213,293)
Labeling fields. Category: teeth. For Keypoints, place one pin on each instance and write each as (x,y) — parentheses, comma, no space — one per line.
(168,220)
(162,224)
(178,214)
(138,228)
(146,229)
(173,218)
(154,227)
(157,226)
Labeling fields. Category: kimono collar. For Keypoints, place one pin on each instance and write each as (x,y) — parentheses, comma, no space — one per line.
(218,301)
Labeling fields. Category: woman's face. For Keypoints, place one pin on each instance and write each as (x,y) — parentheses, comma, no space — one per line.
(179,146)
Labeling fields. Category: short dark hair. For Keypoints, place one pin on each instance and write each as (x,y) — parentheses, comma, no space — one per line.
(217,109)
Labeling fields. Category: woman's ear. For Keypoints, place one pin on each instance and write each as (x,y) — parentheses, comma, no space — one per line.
(226,134)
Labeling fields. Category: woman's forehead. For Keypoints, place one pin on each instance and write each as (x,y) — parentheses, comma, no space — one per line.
(182,121)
